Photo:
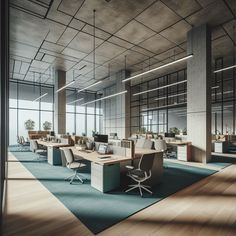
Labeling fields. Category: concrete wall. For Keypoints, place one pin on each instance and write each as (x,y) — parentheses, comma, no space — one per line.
(199,92)
(60,103)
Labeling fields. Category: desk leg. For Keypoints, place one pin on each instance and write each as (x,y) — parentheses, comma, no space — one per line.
(105,177)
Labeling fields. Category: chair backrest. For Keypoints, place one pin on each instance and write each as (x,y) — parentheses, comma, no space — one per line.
(18,139)
(140,143)
(160,145)
(148,144)
(69,155)
(146,162)
(22,139)
(34,145)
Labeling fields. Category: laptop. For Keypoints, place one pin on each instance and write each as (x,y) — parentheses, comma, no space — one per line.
(102,149)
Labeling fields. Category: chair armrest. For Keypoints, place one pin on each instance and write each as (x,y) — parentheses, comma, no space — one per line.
(129,167)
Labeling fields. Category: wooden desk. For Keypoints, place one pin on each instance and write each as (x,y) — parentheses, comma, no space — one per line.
(105,173)
(183,150)
(95,157)
(53,152)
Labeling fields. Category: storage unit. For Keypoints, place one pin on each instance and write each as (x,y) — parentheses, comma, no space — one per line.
(221,147)
(54,156)
(184,152)
(105,177)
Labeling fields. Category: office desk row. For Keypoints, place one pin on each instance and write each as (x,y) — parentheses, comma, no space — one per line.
(53,151)
(105,172)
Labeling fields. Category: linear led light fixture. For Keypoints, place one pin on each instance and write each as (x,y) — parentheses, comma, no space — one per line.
(103,98)
(226,68)
(80,99)
(226,92)
(65,86)
(99,82)
(171,105)
(158,88)
(35,100)
(158,68)
(215,87)
(171,96)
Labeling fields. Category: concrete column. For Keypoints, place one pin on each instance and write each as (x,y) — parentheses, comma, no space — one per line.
(60,103)
(199,93)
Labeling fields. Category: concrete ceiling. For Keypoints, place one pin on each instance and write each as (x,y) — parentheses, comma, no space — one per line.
(58,34)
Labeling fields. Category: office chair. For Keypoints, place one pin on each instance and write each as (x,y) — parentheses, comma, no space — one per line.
(142,173)
(73,165)
(160,146)
(140,143)
(37,149)
(25,143)
(21,142)
(148,144)
(144,143)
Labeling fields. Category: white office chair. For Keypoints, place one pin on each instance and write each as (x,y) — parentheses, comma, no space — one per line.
(160,146)
(73,165)
(144,143)
(140,142)
(38,149)
(142,173)
(148,144)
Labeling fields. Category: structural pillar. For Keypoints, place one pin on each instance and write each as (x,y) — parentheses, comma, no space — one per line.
(60,103)
(199,93)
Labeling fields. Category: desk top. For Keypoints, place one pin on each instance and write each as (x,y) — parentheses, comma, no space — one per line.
(51,144)
(179,143)
(94,156)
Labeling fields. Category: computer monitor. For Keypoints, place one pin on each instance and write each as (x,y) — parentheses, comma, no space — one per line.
(170,135)
(101,138)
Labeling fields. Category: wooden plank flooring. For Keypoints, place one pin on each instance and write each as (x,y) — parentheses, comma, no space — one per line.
(205,208)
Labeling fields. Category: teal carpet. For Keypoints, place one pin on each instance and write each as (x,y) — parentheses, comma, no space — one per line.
(99,211)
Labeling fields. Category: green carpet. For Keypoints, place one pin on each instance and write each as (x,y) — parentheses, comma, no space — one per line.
(97,210)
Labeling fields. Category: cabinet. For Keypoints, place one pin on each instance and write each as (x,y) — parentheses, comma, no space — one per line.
(105,177)
(184,152)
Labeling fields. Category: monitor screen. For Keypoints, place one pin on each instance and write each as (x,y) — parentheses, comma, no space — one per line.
(101,138)
(169,135)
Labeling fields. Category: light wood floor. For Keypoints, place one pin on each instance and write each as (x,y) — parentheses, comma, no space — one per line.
(206,208)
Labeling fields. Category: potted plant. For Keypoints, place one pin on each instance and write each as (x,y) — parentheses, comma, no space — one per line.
(47,125)
(29,124)
(174,130)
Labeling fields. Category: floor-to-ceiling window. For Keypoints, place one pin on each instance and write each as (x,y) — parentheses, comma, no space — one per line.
(223,99)
(80,119)
(22,107)
(162,109)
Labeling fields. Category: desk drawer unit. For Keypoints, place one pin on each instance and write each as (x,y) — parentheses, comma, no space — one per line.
(54,156)
(105,177)
(184,152)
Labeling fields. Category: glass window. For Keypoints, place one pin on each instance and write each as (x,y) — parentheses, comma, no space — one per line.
(27,95)
(80,124)
(47,101)
(13,95)
(12,126)
(70,123)
(46,116)
(24,115)
(90,125)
